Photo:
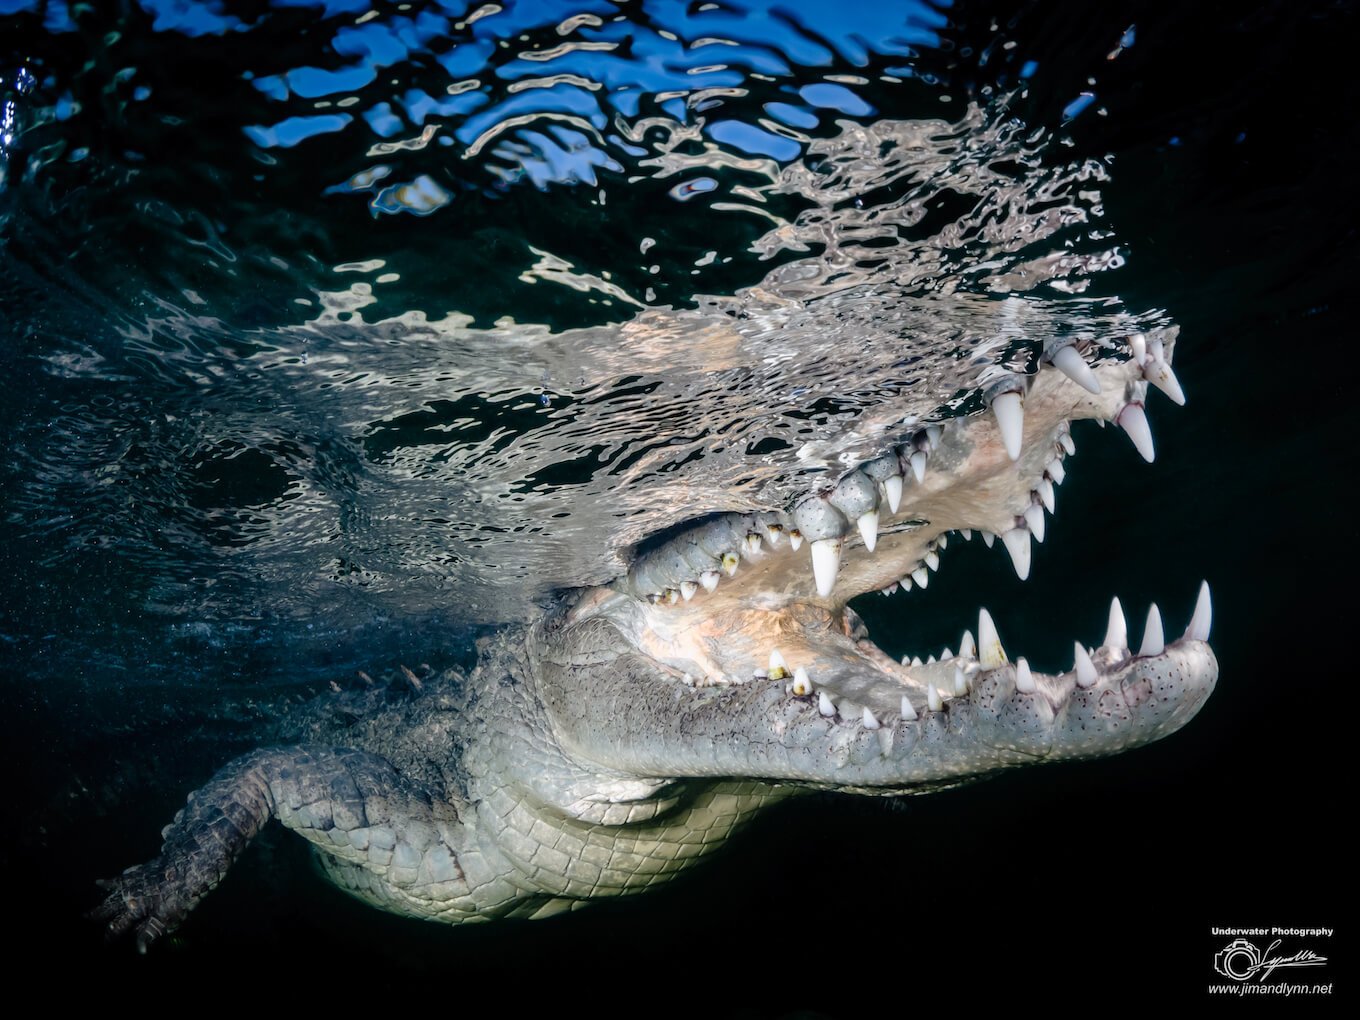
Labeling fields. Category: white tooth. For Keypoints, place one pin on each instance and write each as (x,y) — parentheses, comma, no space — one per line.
(752,545)
(990,653)
(687,589)
(1153,642)
(932,560)
(795,539)
(905,583)
(933,434)
(868,529)
(1010,418)
(933,701)
(918,465)
(1065,441)
(967,534)
(1159,373)
(824,705)
(1046,493)
(709,579)
(1204,615)
(1057,472)
(1138,344)
(946,655)
(916,661)
(967,646)
(942,540)
(1117,633)
(801,684)
(870,723)
(773,532)
(960,683)
(1024,679)
(826,561)
(988,538)
(729,563)
(672,596)
(1034,517)
(1069,362)
(777,661)
(1157,349)
(920,576)
(1017,544)
(892,488)
(1133,421)
(930,660)
(1086,669)
(891,589)
(908,712)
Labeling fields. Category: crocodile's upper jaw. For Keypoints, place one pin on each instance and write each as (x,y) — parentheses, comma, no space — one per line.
(730,604)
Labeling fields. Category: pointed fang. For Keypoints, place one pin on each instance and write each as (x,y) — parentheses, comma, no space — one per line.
(729,563)
(824,704)
(1034,517)
(933,700)
(892,488)
(967,646)
(907,711)
(687,589)
(1045,492)
(1117,633)
(1010,418)
(1017,544)
(1024,679)
(1204,615)
(960,683)
(795,539)
(1153,641)
(1133,421)
(826,561)
(801,684)
(870,722)
(990,653)
(918,466)
(1070,363)
(868,529)
(1086,669)
(709,579)
(1159,373)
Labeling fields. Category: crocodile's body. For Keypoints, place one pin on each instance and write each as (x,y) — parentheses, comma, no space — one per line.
(619,739)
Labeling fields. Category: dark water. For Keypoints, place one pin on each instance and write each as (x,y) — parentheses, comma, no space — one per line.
(333,339)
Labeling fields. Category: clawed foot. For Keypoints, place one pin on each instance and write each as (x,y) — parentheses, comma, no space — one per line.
(146,897)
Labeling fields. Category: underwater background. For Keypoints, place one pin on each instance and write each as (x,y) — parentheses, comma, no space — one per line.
(337,333)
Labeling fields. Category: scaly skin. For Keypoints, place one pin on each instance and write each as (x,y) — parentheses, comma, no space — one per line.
(620,739)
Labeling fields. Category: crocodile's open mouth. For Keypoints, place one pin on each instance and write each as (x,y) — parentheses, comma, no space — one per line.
(763,598)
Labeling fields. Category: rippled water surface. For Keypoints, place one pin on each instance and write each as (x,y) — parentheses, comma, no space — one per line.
(473,299)
(335,330)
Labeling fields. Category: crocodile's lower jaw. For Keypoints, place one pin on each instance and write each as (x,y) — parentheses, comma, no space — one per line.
(734,600)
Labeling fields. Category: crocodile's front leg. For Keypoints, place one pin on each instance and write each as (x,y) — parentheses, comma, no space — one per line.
(352,804)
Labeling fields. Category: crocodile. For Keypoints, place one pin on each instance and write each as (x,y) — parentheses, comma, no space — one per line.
(627,732)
